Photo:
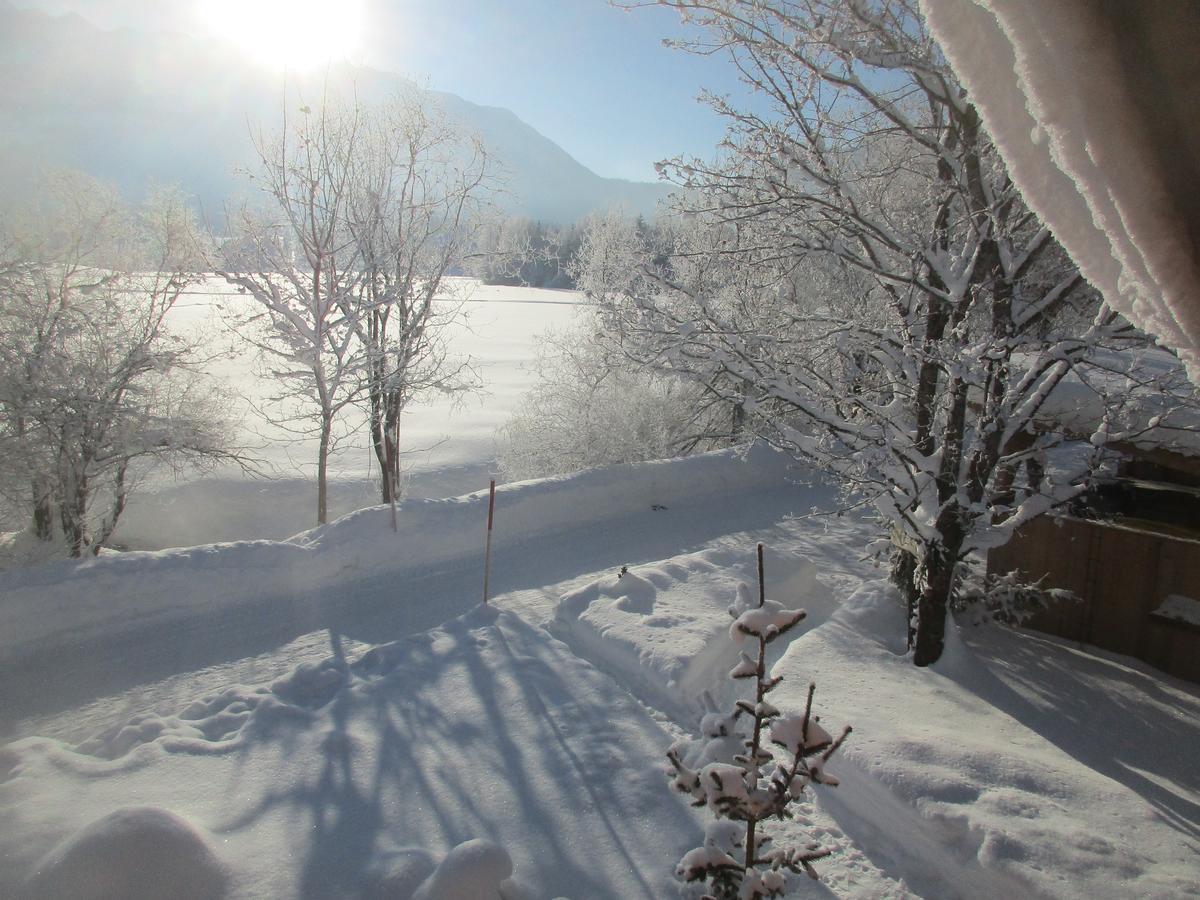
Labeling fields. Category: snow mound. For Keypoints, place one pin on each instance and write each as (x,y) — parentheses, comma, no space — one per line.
(474,870)
(664,628)
(1180,608)
(132,853)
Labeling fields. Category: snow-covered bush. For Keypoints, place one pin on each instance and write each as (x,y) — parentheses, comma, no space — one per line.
(731,771)
(591,409)
(1003,597)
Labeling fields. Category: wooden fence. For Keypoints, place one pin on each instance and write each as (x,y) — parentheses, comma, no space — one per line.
(1122,575)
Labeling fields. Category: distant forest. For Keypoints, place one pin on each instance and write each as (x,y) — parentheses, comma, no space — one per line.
(530,253)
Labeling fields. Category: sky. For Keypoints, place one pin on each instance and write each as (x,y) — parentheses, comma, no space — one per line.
(593,78)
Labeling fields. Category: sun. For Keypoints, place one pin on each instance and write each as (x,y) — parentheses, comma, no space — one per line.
(288,34)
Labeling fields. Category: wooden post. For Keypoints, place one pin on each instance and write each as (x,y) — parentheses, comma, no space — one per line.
(487,552)
(762,587)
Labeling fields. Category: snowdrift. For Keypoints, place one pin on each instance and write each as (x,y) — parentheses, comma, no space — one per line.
(664,629)
(78,601)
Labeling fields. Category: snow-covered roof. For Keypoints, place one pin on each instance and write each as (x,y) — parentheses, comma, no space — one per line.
(1092,104)
(1150,403)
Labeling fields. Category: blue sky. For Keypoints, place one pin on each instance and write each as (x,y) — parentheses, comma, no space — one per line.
(593,78)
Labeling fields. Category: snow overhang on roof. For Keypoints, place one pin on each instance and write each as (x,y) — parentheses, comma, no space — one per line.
(1092,104)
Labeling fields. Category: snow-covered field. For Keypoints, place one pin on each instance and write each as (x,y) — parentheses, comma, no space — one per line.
(334,715)
(447,442)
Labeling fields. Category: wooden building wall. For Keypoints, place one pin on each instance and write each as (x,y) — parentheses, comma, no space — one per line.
(1121,575)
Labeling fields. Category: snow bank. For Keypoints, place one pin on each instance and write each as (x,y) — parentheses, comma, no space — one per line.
(76,601)
(1180,608)
(979,777)
(665,628)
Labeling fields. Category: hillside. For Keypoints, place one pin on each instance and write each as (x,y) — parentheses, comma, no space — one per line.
(135,108)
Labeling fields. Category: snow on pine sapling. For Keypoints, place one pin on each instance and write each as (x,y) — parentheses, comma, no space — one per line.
(742,782)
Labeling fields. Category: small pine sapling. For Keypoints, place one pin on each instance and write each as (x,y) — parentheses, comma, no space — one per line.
(734,774)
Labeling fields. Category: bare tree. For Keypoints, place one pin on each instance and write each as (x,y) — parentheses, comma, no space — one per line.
(369,210)
(94,387)
(419,195)
(862,277)
(298,261)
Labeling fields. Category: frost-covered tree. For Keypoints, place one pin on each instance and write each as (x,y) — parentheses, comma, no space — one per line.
(733,772)
(420,192)
(590,407)
(368,209)
(296,258)
(95,388)
(520,251)
(858,274)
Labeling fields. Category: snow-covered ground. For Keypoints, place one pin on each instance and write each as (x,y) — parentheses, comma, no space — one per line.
(334,715)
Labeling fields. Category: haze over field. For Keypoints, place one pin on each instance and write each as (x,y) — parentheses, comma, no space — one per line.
(448,444)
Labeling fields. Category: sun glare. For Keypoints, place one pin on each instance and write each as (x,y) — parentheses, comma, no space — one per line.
(288,34)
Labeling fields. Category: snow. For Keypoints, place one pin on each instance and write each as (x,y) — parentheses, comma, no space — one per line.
(1145,393)
(791,734)
(474,870)
(335,715)
(114,594)
(980,778)
(1049,82)
(338,763)
(667,626)
(447,443)
(137,853)
(766,621)
(1180,608)
(485,730)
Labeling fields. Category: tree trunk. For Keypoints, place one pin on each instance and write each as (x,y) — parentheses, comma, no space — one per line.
(904,576)
(737,429)
(43,511)
(72,512)
(323,470)
(389,459)
(388,467)
(932,605)
(119,497)
(380,445)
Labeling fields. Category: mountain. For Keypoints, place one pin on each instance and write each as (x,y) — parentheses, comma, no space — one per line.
(136,108)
